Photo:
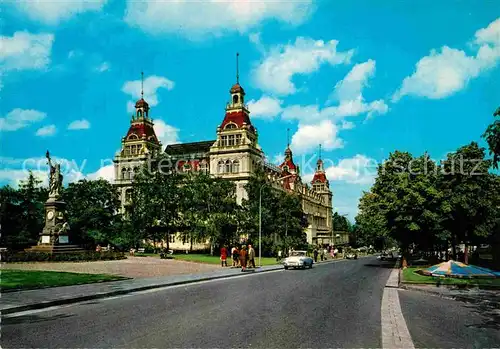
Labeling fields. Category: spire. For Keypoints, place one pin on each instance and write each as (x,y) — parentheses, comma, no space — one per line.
(142,85)
(320,151)
(237,68)
(288,137)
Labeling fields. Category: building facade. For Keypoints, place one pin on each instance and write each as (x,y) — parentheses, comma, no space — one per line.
(234,155)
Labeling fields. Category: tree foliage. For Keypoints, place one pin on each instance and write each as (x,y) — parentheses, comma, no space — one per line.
(492,136)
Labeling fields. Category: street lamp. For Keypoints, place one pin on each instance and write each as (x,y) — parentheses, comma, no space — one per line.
(260,217)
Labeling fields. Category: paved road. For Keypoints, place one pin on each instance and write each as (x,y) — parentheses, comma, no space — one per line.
(331,305)
(435,322)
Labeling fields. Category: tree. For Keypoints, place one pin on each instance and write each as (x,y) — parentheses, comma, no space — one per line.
(22,213)
(91,210)
(156,197)
(467,189)
(492,136)
(340,223)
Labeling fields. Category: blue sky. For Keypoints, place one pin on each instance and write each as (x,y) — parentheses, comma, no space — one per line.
(362,78)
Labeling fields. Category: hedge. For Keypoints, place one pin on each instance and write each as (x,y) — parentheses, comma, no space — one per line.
(61,257)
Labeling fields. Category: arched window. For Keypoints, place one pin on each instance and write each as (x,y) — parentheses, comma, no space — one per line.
(236,166)
(235,99)
(124,173)
(129,173)
(230,126)
(228,166)
(221,167)
(133,136)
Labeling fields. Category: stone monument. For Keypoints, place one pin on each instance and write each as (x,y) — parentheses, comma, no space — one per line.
(55,234)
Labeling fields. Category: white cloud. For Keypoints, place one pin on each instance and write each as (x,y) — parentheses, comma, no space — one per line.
(195,19)
(53,12)
(166,134)
(106,172)
(278,159)
(24,50)
(308,137)
(79,125)
(352,85)
(359,169)
(104,66)
(275,73)
(14,177)
(20,118)
(265,108)
(151,86)
(447,71)
(46,131)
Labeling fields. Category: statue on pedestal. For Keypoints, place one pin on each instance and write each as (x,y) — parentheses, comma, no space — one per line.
(56,227)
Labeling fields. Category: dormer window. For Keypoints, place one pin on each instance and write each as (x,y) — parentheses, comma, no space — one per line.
(230,126)
(133,136)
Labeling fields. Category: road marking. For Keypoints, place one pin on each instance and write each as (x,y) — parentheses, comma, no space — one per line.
(395,334)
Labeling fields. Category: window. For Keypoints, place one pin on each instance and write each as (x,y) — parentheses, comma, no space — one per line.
(127,151)
(235,99)
(228,166)
(129,173)
(230,126)
(124,173)
(133,136)
(171,238)
(238,139)
(230,140)
(128,195)
(236,166)
(203,166)
(223,141)
(221,167)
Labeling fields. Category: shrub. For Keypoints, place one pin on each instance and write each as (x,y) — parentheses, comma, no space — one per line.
(60,257)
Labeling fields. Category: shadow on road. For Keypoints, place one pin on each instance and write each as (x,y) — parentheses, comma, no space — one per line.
(486,305)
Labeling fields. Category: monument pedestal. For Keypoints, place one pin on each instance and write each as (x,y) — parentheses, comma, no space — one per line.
(54,237)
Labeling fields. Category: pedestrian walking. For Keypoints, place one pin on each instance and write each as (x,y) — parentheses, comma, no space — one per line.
(278,259)
(223,256)
(243,258)
(236,256)
(315,252)
(251,257)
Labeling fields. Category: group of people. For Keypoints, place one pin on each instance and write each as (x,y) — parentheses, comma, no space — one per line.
(242,258)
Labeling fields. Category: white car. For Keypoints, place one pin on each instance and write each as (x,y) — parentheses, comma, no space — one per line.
(298,259)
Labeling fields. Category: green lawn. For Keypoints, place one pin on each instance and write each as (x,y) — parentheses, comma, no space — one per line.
(29,279)
(411,277)
(202,258)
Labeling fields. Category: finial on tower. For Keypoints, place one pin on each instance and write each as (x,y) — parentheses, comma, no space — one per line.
(320,152)
(237,68)
(142,84)
(288,137)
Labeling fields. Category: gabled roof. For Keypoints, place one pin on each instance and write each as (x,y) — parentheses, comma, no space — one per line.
(189,148)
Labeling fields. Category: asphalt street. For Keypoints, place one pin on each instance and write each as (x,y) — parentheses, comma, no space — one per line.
(334,305)
(331,305)
(436,322)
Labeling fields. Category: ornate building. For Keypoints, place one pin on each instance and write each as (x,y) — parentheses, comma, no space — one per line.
(235,155)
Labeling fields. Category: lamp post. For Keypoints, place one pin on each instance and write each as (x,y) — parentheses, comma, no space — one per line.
(260,218)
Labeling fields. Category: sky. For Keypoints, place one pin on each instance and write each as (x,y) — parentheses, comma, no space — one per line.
(361,78)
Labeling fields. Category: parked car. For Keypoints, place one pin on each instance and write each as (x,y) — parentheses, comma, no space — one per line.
(298,259)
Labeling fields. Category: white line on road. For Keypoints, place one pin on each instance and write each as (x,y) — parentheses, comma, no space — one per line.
(395,334)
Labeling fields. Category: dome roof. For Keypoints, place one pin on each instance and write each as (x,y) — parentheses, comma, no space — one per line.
(237,88)
(141,103)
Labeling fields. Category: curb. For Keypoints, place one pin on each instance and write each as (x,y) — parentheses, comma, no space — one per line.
(48,304)
(57,302)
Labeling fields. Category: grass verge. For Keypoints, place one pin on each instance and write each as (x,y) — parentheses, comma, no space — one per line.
(410,276)
(30,279)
